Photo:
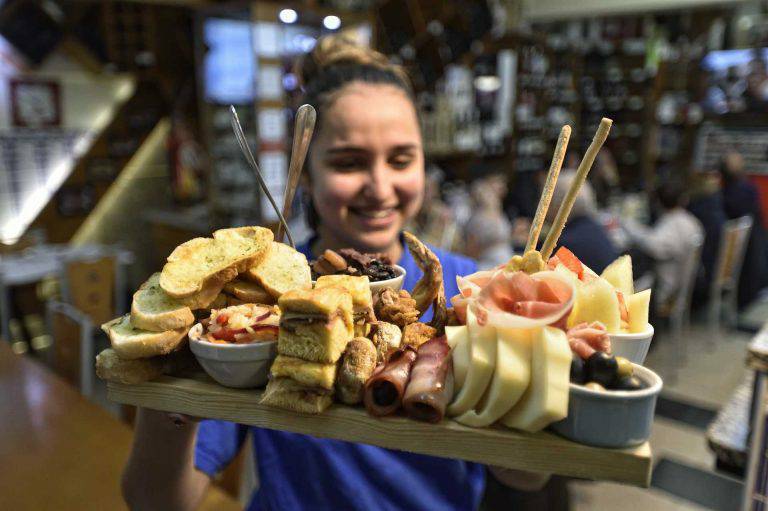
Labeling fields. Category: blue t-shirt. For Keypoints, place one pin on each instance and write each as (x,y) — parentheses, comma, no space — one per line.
(300,472)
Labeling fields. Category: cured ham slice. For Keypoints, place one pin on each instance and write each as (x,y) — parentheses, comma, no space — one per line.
(586,338)
(385,388)
(519,300)
(431,385)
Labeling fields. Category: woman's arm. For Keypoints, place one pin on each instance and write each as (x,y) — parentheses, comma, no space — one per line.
(160,473)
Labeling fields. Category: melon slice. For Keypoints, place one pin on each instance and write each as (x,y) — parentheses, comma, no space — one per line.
(619,274)
(638,305)
(596,301)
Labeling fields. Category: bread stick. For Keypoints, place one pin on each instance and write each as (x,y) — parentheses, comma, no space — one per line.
(549,188)
(581,175)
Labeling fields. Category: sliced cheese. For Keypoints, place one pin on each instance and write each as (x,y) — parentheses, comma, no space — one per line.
(510,379)
(482,356)
(458,340)
(637,306)
(546,399)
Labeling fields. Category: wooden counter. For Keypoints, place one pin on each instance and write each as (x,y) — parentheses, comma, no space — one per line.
(541,452)
(57,449)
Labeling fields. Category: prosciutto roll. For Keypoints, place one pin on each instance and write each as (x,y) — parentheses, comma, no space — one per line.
(431,385)
(585,339)
(385,388)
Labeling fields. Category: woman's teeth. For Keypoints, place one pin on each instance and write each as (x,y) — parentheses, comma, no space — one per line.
(375,213)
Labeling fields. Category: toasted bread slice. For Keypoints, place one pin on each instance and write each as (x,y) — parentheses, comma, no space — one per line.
(152,309)
(290,395)
(282,269)
(204,263)
(130,342)
(248,292)
(322,301)
(204,298)
(311,374)
(110,367)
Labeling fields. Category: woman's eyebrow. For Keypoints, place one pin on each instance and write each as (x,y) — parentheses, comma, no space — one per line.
(404,147)
(346,149)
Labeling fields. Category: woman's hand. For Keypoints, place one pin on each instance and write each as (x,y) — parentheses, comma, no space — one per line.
(518,479)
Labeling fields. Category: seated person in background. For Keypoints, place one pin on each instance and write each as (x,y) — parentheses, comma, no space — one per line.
(668,242)
(741,198)
(488,232)
(583,234)
(706,205)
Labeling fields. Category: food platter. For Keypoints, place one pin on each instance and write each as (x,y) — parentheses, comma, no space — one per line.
(538,452)
(335,349)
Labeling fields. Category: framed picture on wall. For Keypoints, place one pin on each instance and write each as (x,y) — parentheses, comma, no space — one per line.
(35,103)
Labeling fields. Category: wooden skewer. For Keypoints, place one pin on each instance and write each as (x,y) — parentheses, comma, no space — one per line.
(581,175)
(549,188)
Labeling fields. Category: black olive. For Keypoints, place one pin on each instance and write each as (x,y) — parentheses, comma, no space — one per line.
(577,369)
(629,383)
(602,368)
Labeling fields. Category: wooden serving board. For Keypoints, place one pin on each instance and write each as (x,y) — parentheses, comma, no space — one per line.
(539,452)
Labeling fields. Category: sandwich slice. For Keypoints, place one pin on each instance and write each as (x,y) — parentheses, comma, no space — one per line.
(208,263)
(131,343)
(362,301)
(291,395)
(282,269)
(152,309)
(315,324)
(310,374)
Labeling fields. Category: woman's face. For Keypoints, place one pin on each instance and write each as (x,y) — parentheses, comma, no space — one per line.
(367,167)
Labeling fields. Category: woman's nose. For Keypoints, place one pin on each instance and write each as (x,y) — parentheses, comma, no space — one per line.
(379,185)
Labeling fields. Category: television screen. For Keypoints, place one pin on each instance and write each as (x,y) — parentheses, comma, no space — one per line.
(230,63)
(737,80)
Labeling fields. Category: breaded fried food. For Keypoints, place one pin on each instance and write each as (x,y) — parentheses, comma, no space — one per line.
(427,288)
(396,307)
(357,365)
(417,334)
(386,337)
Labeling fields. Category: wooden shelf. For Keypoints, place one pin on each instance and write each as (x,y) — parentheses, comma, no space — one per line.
(540,452)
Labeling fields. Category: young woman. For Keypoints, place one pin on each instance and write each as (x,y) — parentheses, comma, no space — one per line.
(365,180)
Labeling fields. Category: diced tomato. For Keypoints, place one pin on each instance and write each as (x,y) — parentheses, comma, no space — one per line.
(570,261)
(227,334)
(231,334)
(553,292)
(222,319)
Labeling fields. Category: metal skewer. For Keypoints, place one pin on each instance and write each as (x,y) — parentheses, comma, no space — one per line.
(302,135)
(243,143)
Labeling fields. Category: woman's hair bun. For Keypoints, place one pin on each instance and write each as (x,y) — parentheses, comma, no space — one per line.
(344,50)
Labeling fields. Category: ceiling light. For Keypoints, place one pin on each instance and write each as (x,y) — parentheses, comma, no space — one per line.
(331,22)
(288,16)
(487,83)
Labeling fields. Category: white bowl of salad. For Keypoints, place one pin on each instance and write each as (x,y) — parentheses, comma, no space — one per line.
(236,345)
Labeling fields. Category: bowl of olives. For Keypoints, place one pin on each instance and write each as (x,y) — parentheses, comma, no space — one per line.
(611,402)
